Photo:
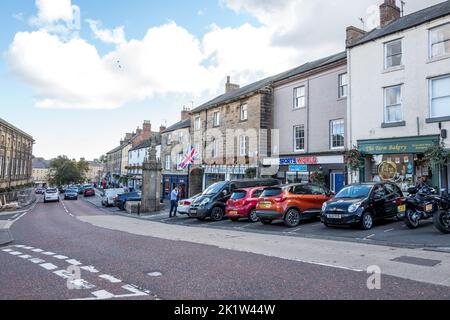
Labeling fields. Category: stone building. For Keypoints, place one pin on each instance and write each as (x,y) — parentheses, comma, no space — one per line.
(16,155)
(41,171)
(95,173)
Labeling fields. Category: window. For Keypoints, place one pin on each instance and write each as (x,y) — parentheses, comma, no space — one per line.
(301,190)
(393,54)
(180,137)
(216,119)
(337,134)
(299,138)
(169,139)
(180,159)
(299,97)
(343,85)
(244,114)
(440,41)
(168,162)
(215,148)
(440,97)
(393,104)
(198,123)
(243,146)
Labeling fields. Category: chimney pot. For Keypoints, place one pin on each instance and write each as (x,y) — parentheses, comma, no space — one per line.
(389,12)
(229,87)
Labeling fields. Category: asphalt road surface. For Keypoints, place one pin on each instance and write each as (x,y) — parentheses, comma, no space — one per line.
(57,255)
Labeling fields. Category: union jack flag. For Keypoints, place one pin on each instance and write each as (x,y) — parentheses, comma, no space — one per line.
(189,157)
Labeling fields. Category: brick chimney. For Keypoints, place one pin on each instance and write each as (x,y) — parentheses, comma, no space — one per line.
(354,35)
(389,12)
(185,113)
(147,126)
(229,87)
(162,128)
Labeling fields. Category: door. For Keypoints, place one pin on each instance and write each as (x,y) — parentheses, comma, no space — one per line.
(393,193)
(337,181)
(380,200)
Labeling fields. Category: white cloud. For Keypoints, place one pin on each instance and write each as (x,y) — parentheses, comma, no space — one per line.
(114,36)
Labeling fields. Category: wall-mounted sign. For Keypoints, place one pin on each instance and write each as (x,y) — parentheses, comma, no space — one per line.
(302,160)
(298,168)
(387,170)
(398,146)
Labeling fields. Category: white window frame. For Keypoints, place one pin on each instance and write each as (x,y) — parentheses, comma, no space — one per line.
(386,106)
(297,97)
(430,89)
(430,45)
(243,112)
(216,119)
(342,86)
(180,161)
(295,138)
(243,146)
(197,123)
(168,162)
(169,139)
(332,122)
(386,67)
(215,148)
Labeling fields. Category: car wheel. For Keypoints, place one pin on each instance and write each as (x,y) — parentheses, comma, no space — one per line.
(292,218)
(367,221)
(412,219)
(441,221)
(266,222)
(217,214)
(253,217)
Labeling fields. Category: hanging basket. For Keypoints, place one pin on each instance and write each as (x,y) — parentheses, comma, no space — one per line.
(354,159)
(436,156)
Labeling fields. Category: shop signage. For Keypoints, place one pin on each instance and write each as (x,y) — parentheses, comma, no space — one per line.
(387,170)
(225,169)
(412,145)
(298,168)
(302,160)
(335,159)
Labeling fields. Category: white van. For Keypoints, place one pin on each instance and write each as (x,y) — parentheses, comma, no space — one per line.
(109,195)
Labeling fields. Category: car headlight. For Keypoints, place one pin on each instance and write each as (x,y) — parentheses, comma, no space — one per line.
(324,207)
(205,202)
(354,207)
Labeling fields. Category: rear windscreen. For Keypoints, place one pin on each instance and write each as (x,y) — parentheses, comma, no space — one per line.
(238,195)
(271,192)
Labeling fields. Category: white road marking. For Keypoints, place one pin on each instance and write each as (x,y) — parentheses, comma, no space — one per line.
(90,269)
(49,253)
(71,215)
(371,236)
(110,278)
(154,274)
(16,253)
(28,248)
(389,230)
(36,260)
(15,216)
(37,250)
(48,266)
(25,256)
(135,292)
(332,266)
(63,274)
(103,294)
(74,262)
(7,250)
(82,284)
(20,246)
(59,257)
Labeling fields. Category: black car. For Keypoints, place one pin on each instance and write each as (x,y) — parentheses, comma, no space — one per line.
(212,203)
(121,200)
(362,204)
(71,194)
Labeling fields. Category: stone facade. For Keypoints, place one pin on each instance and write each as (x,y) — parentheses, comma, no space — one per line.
(16,153)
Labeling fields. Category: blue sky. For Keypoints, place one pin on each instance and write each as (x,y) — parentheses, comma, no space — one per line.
(67,90)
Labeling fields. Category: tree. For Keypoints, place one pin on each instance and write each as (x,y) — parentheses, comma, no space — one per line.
(103,159)
(64,171)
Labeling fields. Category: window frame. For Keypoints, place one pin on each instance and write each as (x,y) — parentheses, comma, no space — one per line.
(386,67)
(168,162)
(341,86)
(216,119)
(197,123)
(430,94)
(385,106)
(430,45)
(295,138)
(241,111)
(243,146)
(296,97)
(331,134)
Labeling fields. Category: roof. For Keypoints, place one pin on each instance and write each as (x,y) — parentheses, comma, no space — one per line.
(146,143)
(40,163)
(261,84)
(116,149)
(6,123)
(180,125)
(409,21)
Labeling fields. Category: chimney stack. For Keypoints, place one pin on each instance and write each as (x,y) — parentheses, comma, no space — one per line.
(147,126)
(230,87)
(354,35)
(162,128)
(185,113)
(389,12)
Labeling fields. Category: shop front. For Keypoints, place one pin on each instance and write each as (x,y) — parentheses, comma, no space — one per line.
(399,160)
(218,173)
(171,181)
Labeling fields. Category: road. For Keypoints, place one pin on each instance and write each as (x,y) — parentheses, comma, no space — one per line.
(125,258)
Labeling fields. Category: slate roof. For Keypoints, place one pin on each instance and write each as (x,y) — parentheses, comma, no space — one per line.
(409,21)
(259,85)
(180,125)
(146,143)
(40,163)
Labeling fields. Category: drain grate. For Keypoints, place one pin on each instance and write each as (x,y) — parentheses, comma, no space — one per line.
(417,261)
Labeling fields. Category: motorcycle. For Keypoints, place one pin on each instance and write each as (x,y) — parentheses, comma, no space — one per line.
(441,218)
(421,204)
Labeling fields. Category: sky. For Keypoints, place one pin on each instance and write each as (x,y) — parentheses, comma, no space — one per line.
(78,74)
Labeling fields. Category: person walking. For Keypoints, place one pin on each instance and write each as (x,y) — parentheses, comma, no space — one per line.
(173,202)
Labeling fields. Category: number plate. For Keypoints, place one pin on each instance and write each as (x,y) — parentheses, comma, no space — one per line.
(233,213)
(429,208)
(193,211)
(265,205)
(334,216)
(402,208)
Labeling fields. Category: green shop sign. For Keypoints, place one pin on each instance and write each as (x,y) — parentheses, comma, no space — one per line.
(398,145)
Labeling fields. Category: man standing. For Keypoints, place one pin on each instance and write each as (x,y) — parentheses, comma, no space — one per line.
(173,202)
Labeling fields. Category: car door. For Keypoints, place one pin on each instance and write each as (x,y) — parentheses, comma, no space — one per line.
(392,195)
(320,195)
(379,200)
(303,198)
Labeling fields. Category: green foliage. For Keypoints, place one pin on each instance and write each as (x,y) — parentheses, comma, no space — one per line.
(250,173)
(64,171)
(436,156)
(354,159)
(103,159)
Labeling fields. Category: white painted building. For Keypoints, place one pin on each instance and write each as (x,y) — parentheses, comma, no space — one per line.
(136,157)
(399,82)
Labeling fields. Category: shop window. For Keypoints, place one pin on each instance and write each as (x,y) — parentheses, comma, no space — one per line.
(440,41)
(440,97)
(393,104)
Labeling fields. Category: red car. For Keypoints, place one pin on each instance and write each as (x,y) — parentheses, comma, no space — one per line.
(89,192)
(242,204)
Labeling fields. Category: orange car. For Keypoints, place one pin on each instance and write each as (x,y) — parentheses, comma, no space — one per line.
(291,203)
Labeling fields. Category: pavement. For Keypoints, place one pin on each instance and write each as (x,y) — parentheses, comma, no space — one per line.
(7,219)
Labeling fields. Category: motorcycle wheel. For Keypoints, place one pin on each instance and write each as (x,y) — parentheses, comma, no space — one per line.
(412,219)
(442,221)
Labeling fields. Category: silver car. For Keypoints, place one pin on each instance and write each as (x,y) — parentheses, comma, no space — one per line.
(51,195)
(184,205)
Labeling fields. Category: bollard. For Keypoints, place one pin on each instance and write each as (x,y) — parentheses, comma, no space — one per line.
(139,209)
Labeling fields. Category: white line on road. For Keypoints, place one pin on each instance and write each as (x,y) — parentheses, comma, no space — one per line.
(16,253)
(371,236)
(90,269)
(7,250)
(48,266)
(59,257)
(49,253)
(38,250)
(103,294)
(63,274)
(109,278)
(20,246)
(80,283)
(37,261)
(14,217)
(74,262)
(28,248)
(25,256)
(389,230)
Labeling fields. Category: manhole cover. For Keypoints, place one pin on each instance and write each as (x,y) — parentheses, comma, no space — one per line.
(154,274)
(417,261)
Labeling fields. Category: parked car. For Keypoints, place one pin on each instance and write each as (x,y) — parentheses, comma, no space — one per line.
(40,191)
(185,205)
(212,203)
(89,192)
(71,194)
(242,204)
(62,189)
(51,195)
(109,195)
(121,200)
(362,204)
(84,187)
(291,203)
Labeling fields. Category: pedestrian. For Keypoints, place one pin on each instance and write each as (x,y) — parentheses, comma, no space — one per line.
(173,202)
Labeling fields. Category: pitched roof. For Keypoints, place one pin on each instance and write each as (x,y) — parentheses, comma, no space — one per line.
(259,85)
(180,125)
(409,21)
(40,163)
(146,143)
(116,149)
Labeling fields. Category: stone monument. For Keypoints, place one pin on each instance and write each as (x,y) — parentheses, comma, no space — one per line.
(151,181)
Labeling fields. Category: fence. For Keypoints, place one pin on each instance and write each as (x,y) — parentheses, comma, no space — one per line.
(17,199)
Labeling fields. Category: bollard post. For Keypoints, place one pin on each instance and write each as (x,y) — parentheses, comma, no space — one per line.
(139,209)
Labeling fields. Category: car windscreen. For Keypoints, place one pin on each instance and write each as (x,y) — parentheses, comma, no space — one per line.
(71,191)
(238,195)
(271,192)
(51,191)
(215,188)
(354,192)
